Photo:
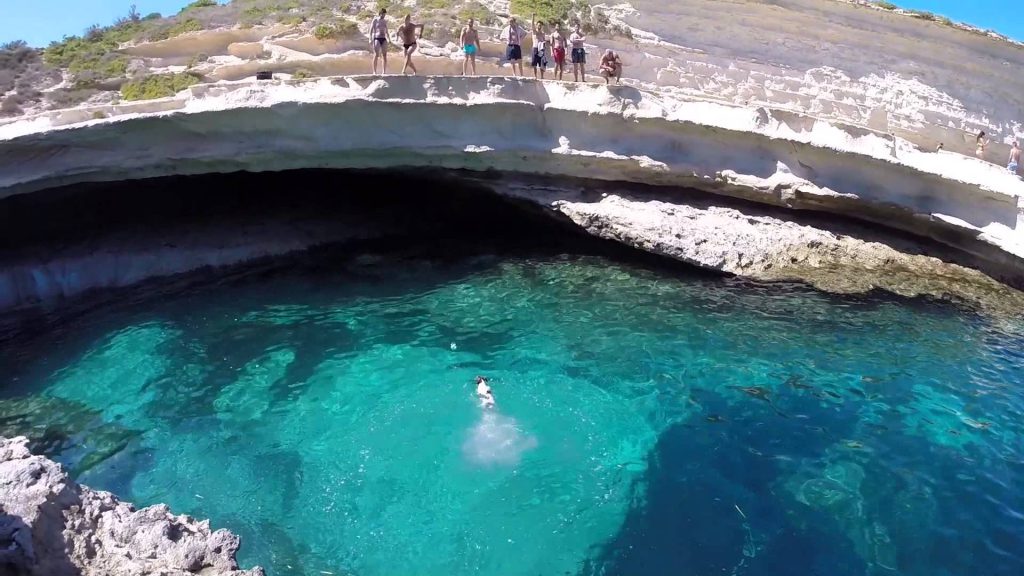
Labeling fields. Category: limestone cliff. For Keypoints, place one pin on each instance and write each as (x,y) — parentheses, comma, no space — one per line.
(51,526)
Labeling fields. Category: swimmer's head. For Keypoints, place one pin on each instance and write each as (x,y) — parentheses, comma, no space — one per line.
(481,380)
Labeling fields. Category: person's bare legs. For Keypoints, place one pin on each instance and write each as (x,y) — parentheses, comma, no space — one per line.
(384,58)
(472,63)
(408,60)
(465,62)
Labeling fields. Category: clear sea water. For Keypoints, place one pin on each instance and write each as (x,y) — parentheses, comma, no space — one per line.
(648,422)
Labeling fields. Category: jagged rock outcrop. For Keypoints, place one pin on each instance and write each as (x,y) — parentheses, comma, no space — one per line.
(51,526)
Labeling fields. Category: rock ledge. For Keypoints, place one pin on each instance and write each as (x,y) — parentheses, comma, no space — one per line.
(52,526)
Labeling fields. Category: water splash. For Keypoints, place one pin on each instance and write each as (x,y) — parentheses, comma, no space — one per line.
(497,440)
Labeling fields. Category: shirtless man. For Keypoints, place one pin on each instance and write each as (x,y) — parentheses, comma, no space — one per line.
(514,34)
(379,40)
(1014,158)
(539,61)
(611,67)
(407,35)
(579,54)
(558,44)
(483,392)
(470,40)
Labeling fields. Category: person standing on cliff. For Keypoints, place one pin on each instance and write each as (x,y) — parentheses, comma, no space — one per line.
(539,59)
(981,145)
(470,40)
(579,54)
(558,44)
(514,34)
(379,40)
(407,34)
(1014,163)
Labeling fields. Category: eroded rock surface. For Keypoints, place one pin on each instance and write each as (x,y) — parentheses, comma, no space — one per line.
(755,245)
(51,526)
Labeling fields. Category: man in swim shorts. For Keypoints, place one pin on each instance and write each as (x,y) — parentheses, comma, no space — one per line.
(558,44)
(407,35)
(470,40)
(379,40)
(539,59)
(483,392)
(579,54)
(611,67)
(1014,158)
(514,34)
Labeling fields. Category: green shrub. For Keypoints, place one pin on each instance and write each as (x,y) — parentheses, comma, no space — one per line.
(434,4)
(478,12)
(340,29)
(200,4)
(10,107)
(68,97)
(546,10)
(157,86)
(923,14)
(885,5)
(99,115)
(302,74)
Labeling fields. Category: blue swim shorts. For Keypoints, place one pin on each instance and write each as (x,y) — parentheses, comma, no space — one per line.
(469,49)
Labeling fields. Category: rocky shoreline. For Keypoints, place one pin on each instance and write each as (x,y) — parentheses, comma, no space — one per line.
(52,526)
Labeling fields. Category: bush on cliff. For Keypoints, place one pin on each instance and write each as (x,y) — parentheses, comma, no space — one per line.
(158,86)
(546,10)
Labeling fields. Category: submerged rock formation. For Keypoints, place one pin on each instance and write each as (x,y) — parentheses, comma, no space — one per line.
(51,526)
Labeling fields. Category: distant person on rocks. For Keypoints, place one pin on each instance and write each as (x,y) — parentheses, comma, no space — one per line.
(379,40)
(539,61)
(514,34)
(579,54)
(470,40)
(940,147)
(1014,163)
(982,143)
(558,49)
(611,67)
(407,34)
(483,392)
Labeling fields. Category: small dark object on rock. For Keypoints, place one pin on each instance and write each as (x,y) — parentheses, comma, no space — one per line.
(264,75)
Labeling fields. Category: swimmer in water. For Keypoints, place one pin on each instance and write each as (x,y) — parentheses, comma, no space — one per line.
(483,392)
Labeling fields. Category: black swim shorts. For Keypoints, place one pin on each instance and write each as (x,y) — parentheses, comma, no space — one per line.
(514,52)
(539,59)
(579,56)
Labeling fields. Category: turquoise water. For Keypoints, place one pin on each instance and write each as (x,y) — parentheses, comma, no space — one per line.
(647,421)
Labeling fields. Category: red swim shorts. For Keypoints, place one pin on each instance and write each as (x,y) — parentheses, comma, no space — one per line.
(559,55)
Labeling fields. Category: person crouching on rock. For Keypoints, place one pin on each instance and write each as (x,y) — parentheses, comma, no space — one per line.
(406,34)
(558,44)
(579,54)
(611,67)
(539,61)
(470,40)
(379,40)
(483,392)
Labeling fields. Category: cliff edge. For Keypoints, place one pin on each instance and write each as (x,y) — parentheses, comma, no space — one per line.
(51,526)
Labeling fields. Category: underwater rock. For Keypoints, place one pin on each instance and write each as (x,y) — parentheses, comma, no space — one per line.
(51,526)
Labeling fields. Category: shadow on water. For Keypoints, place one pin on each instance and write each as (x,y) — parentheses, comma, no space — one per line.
(711,503)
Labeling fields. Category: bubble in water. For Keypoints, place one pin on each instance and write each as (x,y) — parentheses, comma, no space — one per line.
(497,440)
(454,347)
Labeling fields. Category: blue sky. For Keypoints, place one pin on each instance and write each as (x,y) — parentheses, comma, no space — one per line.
(40,21)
